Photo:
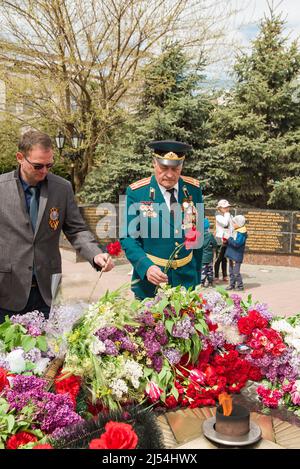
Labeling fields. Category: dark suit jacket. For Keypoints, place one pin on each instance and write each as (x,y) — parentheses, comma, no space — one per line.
(20,247)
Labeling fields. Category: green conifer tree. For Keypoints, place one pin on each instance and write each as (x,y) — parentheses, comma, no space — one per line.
(255,139)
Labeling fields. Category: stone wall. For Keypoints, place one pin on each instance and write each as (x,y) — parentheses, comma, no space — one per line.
(273,235)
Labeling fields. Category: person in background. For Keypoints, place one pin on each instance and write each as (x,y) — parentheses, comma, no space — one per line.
(223,231)
(35,207)
(209,244)
(235,252)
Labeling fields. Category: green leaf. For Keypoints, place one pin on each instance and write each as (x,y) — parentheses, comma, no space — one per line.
(175,392)
(10,423)
(28,342)
(169,325)
(41,343)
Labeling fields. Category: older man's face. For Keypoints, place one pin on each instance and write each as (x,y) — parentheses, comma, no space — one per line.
(167,176)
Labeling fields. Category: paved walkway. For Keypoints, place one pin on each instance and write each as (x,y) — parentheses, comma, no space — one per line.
(279,287)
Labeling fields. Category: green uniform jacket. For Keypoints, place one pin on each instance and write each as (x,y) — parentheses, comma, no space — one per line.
(159,235)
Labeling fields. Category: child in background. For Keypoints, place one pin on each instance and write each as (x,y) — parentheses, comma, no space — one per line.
(235,252)
(209,244)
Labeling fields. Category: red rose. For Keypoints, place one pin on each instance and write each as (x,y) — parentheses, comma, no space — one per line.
(20,439)
(3,379)
(114,249)
(117,435)
(43,446)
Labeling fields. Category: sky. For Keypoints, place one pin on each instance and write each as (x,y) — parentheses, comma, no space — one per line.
(244,27)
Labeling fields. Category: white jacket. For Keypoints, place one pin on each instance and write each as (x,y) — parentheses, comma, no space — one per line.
(223,225)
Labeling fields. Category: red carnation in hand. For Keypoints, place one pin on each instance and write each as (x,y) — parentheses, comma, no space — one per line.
(20,439)
(3,379)
(114,249)
(117,435)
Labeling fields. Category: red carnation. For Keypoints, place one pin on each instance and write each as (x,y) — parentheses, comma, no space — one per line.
(69,385)
(114,249)
(3,379)
(117,435)
(20,439)
(171,402)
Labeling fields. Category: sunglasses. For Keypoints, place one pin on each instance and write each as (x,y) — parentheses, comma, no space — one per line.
(39,166)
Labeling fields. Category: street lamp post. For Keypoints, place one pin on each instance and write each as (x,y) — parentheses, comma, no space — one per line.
(76,141)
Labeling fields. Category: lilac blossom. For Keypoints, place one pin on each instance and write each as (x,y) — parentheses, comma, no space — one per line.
(216,339)
(34,321)
(172,355)
(157,362)
(105,332)
(110,348)
(276,368)
(183,329)
(33,355)
(146,318)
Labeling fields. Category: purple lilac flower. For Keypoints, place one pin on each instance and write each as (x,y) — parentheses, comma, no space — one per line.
(35,320)
(152,347)
(146,318)
(130,328)
(23,383)
(262,308)
(183,329)
(105,332)
(276,368)
(50,411)
(157,362)
(172,355)
(33,330)
(33,355)
(169,312)
(57,412)
(216,339)
(127,344)
(110,348)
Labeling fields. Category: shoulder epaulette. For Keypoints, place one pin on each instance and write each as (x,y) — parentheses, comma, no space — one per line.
(190,180)
(140,183)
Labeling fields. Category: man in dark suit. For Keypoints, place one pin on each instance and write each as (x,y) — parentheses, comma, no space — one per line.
(35,206)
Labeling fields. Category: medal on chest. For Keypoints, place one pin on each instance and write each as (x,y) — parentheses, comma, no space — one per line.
(189,211)
(54,218)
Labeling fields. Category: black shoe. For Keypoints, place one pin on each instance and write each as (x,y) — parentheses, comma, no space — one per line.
(240,288)
(230,287)
(210,284)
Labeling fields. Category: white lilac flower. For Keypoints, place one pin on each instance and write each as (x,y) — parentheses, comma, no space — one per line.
(96,346)
(41,365)
(16,361)
(119,387)
(231,334)
(296,331)
(294,342)
(282,325)
(133,371)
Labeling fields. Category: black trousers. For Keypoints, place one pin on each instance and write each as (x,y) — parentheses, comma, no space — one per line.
(221,260)
(35,302)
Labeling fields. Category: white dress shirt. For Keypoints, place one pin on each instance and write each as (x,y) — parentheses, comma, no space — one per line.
(167,195)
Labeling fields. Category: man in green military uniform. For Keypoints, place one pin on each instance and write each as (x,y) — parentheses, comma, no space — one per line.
(162,212)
